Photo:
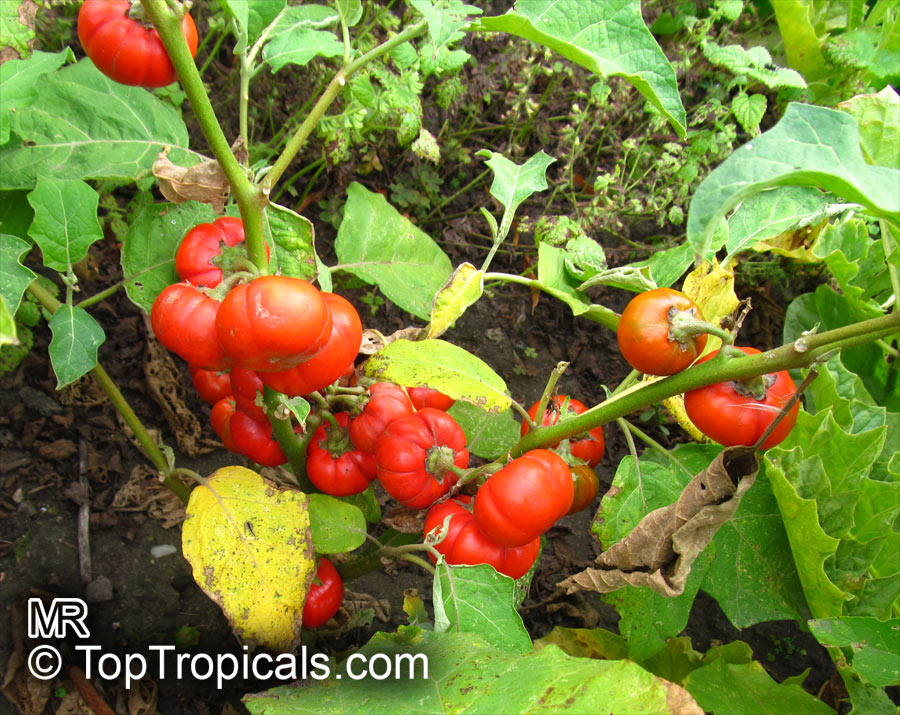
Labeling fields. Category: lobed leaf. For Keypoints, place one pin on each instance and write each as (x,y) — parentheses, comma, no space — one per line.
(73,348)
(378,245)
(489,435)
(65,220)
(465,674)
(607,37)
(477,599)
(14,276)
(17,83)
(82,125)
(810,146)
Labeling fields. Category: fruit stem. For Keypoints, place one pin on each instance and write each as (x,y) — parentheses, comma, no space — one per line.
(684,325)
(545,396)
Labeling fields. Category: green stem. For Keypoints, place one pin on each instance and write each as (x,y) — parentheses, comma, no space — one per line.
(250,198)
(597,313)
(105,382)
(800,353)
(331,92)
(294,447)
(652,443)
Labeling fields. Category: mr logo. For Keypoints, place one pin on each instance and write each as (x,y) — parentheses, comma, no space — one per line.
(52,622)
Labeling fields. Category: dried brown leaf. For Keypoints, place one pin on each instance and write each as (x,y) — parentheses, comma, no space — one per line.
(660,550)
(205,182)
(405,520)
(165,387)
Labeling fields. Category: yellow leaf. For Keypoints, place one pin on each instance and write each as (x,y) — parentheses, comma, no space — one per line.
(797,244)
(462,289)
(250,547)
(711,287)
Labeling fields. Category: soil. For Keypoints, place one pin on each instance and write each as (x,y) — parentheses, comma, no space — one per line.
(64,451)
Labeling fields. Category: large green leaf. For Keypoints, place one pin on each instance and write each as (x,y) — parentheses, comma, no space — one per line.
(14,277)
(76,339)
(647,618)
(441,366)
(477,599)
(607,37)
(382,247)
(810,146)
(875,645)
(801,44)
(725,688)
(771,212)
(826,310)
(466,675)
(82,125)
(878,118)
(17,79)
(855,259)
(292,235)
(753,576)
(65,220)
(148,249)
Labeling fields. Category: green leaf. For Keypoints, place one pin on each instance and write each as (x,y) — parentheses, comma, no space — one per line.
(875,645)
(298,36)
(489,435)
(837,518)
(749,110)
(17,34)
(293,237)
(16,213)
(378,245)
(558,282)
(855,259)
(446,19)
(17,80)
(463,288)
(585,643)
(772,212)
(465,674)
(73,349)
(65,220)
(441,366)
(82,125)
(647,618)
(350,10)
(747,689)
(810,146)
(337,526)
(367,503)
(7,327)
(674,661)
(865,697)
(755,62)
(753,577)
(878,118)
(829,310)
(513,183)
(801,44)
(148,249)
(477,599)
(14,277)
(607,37)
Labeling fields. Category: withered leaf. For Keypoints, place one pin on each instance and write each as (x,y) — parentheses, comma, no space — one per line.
(660,550)
(205,182)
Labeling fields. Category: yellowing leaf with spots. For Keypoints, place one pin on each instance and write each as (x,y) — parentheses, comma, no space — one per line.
(462,289)
(250,547)
(711,287)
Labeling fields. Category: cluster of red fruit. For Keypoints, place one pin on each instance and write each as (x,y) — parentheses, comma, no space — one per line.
(274,330)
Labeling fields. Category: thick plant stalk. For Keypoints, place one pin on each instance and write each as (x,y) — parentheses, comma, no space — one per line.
(801,353)
(106,383)
(250,199)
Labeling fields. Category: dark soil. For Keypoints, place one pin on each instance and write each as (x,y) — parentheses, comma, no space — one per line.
(51,440)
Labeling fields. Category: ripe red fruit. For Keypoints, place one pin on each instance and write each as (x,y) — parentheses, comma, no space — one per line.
(324,597)
(590,448)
